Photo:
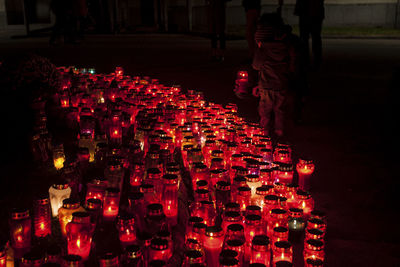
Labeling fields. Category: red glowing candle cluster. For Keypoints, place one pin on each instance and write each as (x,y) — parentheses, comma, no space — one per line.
(166,163)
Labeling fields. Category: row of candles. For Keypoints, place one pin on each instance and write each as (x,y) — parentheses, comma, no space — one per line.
(245,207)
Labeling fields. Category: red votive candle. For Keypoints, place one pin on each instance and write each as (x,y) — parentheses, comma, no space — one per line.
(260,250)
(212,243)
(313,250)
(79,235)
(42,217)
(20,229)
(282,251)
(111,204)
(305,169)
(126,229)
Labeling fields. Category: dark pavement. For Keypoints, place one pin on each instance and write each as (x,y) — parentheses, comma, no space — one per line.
(348,124)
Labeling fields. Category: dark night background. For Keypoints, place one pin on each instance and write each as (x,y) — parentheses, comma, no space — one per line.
(348,129)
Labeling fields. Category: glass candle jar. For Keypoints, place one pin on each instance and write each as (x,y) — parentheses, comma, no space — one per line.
(316,224)
(296,224)
(149,195)
(260,250)
(222,194)
(314,263)
(266,177)
(170,198)
(57,193)
(126,229)
(278,217)
(261,192)
(231,217)
(65,213)
(282,251)
(244,197)
(253,181)
(284,174)
(270,202)
(253,227)
(3,256)
(314,233)
(212,242)
(193,257)
(72,261)
(280,233)
(305,169)
(313,249)
(20,229)
(114,174)
(305,202)
(79,235)
(42,217)
(153,176)
(111,204)
(159,249)
(58,156)
(155,218)
(109,260)
(94,208)
(32,259)
(96,189)
(133,256)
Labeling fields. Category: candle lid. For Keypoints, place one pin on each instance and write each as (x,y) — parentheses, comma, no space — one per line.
(282,245)
(70,203)
(295,212)
(235,227)
(228,253)
(199,228)
(81,217)
(217,153)
(32,258)
(133,251)
(145,237)
(232,206)
(280,229)
(157,263)
(239,180)
(171,179)
(271,199)
(314,262)
(153,173)
(265,171)
(257,264)
(252,178)
(235,243)
(155,209)
(109,259)
(244,190)
(317,214)
(253,209)
(42,200)
(164,234)
(283,264)
(72,260)
(314,244)
(305,161)
(260,242)
(228,262)
(214,231)
(195,219)
(232,216)
(174,171)
(147,188)
(194,255)
(315,233)
(202,193)
(315,223)
(264,190)
(199,167)
(253,219)
(223,186)
(61,185)
(278,213)
(201,184)
(126,218)
(172,165)
(159,243)
(303,195)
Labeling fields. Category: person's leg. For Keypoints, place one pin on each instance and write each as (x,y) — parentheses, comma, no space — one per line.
(304,28)
(279,99)
(265,109)
(316,27)
(251,27)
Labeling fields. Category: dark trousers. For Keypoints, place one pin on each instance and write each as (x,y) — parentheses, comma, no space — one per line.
(217,25)
(311,26)
(272,103)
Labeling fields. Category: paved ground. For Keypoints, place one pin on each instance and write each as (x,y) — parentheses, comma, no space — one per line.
(348,125)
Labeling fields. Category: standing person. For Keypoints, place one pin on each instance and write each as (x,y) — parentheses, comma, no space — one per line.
(217,16)
(311,14)
(252,9)
(274,59)
(59,8)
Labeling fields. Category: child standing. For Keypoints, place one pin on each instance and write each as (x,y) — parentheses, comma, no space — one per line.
(275,61)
